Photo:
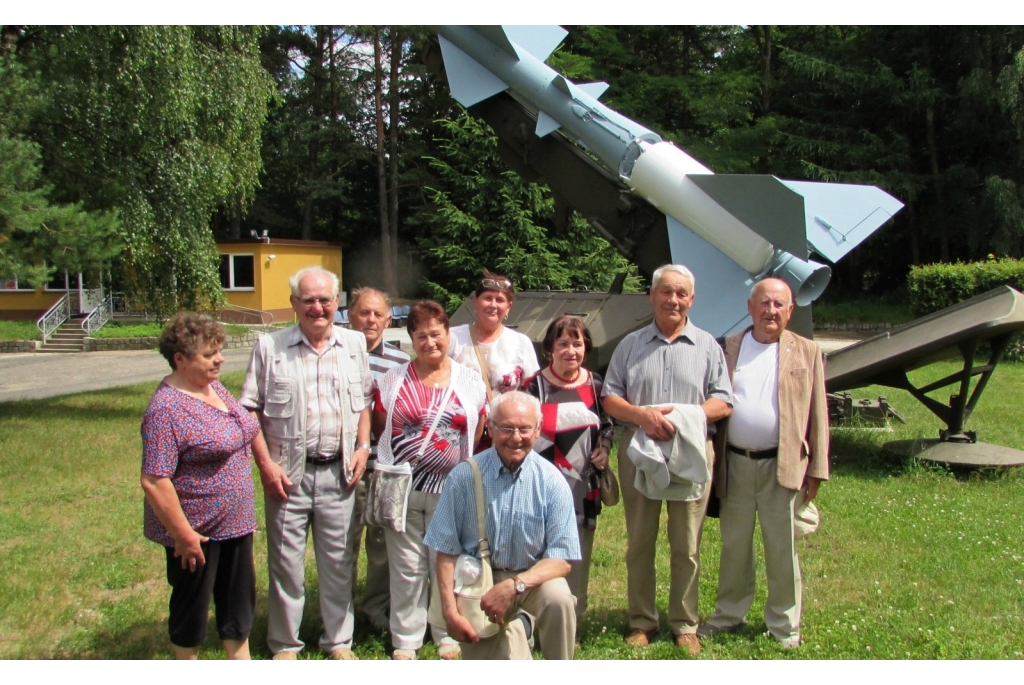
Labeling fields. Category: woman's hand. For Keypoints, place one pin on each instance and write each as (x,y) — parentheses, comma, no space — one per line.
(189,549)
(599,458)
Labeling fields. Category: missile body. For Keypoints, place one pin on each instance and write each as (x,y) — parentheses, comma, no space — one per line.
(755,226)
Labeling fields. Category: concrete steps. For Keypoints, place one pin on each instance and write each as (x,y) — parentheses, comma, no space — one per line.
(67,339)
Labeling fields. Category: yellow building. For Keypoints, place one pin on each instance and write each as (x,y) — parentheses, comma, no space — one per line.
(254,273)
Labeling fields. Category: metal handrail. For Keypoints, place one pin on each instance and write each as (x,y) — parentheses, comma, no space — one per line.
(98,317)
(265,318)
(56,315)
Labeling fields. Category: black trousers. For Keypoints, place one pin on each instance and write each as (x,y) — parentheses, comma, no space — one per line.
(228,578)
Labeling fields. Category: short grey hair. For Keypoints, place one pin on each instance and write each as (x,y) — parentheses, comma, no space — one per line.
(359,292)
(297,277)
(515,396)
(677,268)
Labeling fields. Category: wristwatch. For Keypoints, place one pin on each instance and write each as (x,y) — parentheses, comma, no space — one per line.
(363,446)
(520,585)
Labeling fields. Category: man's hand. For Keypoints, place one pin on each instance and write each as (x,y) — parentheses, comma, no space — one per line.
(275,481)
(654,423)
(188,548)
(357,466)
(459,628)
(811,483)
(498,599)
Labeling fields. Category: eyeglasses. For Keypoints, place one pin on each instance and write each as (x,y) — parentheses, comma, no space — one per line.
(324,302)
(498,284)
(509,431)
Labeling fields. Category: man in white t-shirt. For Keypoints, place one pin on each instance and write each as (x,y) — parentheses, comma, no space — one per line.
(771,456)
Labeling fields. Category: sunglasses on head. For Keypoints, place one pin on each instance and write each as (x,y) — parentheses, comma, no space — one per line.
(498,284)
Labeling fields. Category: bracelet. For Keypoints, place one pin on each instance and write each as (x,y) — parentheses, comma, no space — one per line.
(363,446)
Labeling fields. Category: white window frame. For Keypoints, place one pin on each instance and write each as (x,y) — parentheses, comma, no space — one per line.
(16,289)
(231,272)
(67,275)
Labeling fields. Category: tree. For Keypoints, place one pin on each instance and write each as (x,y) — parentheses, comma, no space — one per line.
(484,215)
(161,123)
(38,237)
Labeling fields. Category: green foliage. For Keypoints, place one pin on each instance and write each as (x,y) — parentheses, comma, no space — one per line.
(937,286)
(37,236)
(18,330)
(149,330)
(162,123)
(484,215)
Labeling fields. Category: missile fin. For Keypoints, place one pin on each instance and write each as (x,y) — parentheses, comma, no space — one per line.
(546,124)
(594,90)
(840,216)
(763,204)
(727,285)
(565,85)
(539,41)
(469,81)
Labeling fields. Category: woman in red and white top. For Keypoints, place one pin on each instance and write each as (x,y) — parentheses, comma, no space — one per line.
(428,413)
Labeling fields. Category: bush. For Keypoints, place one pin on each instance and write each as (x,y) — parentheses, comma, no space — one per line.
(937,286)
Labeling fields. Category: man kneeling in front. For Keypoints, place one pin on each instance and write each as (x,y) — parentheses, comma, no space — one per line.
(531,528)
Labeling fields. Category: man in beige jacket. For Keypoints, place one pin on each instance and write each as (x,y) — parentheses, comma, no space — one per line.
(771,456)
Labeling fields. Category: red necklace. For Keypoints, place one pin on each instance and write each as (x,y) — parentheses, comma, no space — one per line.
(567,381)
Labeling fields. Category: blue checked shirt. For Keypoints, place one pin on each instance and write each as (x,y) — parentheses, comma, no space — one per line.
(529,514)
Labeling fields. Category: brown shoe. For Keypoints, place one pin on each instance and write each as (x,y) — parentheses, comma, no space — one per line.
(285,656)
(689,642)
(342,654)
(640,638)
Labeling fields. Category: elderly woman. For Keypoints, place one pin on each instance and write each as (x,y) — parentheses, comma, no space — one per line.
(509,356)
(575,434)
(428,413)
(200,503)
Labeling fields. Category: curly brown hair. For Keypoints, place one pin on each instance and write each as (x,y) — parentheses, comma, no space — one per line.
(189,333)
(425,311)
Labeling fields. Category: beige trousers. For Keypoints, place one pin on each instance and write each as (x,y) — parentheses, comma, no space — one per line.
(554,610)
(755,491)
(685,525)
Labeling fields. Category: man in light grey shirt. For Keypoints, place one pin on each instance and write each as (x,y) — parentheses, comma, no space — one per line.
(669,362)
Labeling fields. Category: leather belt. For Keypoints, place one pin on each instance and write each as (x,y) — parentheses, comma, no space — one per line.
(323,461)
(770,453)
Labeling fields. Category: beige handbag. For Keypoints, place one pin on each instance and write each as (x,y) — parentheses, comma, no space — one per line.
(609,486)
(468,597)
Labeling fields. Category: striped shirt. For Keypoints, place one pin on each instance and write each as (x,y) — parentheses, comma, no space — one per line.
(647,369)
(323,398)
(529,514)
(383,358)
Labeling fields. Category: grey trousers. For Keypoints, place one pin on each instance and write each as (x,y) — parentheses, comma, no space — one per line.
(324,505)
(377,587)
(755,491)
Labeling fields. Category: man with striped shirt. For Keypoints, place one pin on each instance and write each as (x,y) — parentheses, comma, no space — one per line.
(668,362)
(370,314)
(531,529)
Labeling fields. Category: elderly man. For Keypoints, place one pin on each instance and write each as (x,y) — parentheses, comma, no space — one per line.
(774,444)
(531,528)
(670,361)
(370,314)
(311,388)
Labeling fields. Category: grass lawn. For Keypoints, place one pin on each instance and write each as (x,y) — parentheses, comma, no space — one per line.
(912,561)
(18,330)
(144,330)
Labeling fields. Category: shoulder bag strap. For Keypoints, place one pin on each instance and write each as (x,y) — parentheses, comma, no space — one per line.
(437,416)
(483,365)
(481,524)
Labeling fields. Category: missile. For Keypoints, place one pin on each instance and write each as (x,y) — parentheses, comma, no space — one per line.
(731,230)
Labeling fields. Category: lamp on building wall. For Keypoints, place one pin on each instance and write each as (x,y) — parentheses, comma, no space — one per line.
(270,258)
